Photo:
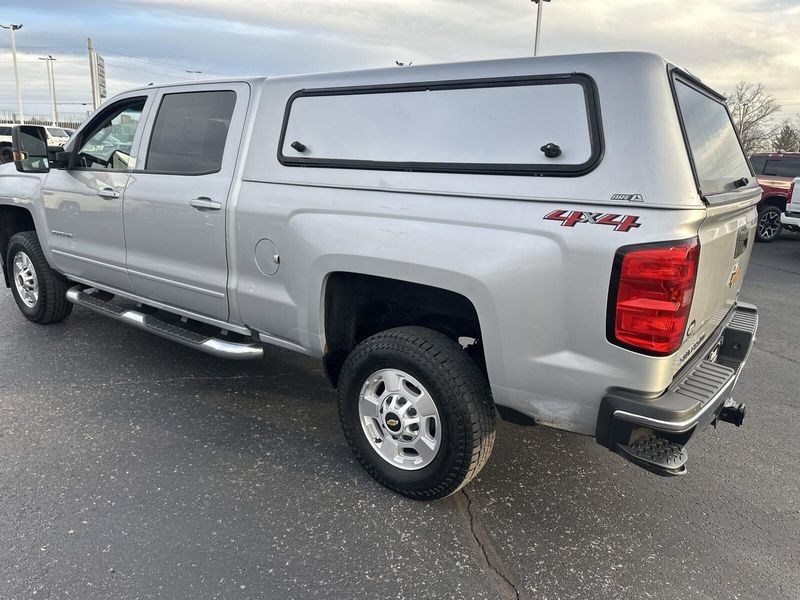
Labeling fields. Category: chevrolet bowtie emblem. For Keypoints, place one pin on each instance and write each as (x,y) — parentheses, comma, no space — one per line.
(736,272)
(392,422)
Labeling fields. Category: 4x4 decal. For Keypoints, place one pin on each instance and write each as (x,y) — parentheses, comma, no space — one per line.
(570,218)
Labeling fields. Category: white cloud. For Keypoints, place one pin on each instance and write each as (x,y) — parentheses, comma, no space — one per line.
(722,42)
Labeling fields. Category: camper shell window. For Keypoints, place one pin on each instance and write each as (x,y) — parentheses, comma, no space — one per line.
(492,126)
(714,148)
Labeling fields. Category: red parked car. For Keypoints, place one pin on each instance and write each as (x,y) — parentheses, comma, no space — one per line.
(774,172)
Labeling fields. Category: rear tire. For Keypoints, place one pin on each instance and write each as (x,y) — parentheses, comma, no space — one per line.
(769,224)
(39,291)
(416,411)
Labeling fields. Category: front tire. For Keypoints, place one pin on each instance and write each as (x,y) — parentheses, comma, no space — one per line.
(39,291)
(769,224)
(416,411)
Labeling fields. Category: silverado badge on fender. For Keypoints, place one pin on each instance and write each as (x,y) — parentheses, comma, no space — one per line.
(571,218)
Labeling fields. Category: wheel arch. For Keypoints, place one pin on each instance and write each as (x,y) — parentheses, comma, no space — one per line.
(778,201)
(13,219)
(356,306)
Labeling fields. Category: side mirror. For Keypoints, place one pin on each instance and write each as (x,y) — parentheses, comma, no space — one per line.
(64,157)
(29,143)
(59,158)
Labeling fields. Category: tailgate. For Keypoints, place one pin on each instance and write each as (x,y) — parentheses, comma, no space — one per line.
(726,238)
(730,192)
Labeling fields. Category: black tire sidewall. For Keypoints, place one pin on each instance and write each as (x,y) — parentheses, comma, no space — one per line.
(452,458)
(16,245)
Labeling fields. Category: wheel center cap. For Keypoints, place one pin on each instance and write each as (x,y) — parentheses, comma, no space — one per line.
(392,422)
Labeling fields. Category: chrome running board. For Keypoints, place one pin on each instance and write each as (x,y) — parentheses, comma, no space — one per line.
(209,345)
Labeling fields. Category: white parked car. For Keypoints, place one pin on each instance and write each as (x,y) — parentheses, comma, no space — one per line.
(791,218)
(56,136)
(5,143)
(5,135)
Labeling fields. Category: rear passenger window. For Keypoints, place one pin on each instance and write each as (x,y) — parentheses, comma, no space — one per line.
(757,162)
(783,167)
(472,126)
(190,132)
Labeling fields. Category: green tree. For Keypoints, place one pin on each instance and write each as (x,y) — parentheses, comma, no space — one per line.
(787,139)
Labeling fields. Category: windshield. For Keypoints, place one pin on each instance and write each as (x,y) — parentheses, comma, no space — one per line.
(57,132)
(717,154)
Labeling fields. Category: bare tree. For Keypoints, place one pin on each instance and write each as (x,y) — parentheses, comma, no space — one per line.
(787,139)
(753,111)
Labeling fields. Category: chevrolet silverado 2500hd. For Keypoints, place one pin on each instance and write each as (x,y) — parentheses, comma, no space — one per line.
(561,239)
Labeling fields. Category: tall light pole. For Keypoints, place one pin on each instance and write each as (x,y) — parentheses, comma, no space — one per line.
(742,110)
(93,73)
(51,84)
(12,29)
(539,4)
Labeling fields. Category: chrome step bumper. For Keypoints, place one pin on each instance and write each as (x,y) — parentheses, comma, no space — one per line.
(210,345)
(699,396)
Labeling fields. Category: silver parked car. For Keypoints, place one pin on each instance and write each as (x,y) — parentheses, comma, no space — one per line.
(562,239)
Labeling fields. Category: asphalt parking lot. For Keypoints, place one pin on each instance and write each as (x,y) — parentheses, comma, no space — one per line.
(132,468)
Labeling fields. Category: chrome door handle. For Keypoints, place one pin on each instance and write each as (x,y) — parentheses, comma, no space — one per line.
(203,203)
(108,193)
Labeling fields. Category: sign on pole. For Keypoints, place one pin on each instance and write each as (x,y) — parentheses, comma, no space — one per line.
(101,76)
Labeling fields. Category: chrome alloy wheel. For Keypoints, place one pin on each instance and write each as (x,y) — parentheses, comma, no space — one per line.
(25,279)
(400,419)
(769,225)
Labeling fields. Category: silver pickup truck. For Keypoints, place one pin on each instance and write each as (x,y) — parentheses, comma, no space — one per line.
(561,239)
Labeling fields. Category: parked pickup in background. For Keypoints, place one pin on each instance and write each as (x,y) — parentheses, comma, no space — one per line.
(561,240)
(775,172)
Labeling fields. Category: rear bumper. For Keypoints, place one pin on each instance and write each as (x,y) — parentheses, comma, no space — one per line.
(791,219)
(697,394)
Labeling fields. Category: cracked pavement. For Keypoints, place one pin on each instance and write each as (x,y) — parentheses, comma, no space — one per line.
(133,468)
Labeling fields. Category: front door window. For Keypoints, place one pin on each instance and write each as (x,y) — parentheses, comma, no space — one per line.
(108,146)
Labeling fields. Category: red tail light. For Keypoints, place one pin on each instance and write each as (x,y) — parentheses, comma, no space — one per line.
(651,293)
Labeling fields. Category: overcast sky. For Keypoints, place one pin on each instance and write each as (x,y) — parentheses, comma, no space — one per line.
(146,41)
